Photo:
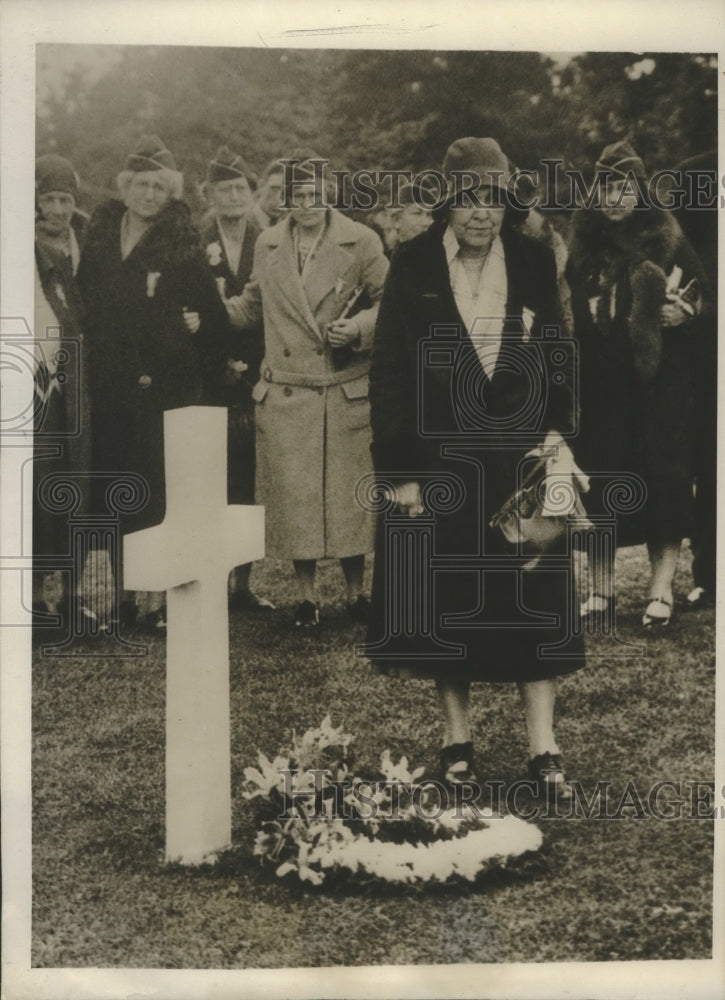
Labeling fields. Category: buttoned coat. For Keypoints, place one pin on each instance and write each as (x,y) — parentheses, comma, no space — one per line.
(440,420)
(142,358)
(312,412)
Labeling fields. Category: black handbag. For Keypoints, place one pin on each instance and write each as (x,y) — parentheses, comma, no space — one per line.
(521,519)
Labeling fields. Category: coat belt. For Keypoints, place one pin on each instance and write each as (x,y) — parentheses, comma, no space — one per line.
(315,381)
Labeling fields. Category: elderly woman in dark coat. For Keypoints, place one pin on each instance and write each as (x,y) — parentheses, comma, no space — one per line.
(142,272)
(228,238)
(463,385)
(637,290)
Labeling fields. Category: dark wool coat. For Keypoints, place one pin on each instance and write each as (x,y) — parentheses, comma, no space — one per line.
(638,400)
(62,413)
(143,360)
(247,346)
(438,419)
(700,227)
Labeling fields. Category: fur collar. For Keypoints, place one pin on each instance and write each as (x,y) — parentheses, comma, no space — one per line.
(169,241)
(649,234)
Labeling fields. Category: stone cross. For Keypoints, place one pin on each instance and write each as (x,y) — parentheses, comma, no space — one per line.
(190,555)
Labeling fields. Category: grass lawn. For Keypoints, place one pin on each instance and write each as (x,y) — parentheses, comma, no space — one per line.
(602,889)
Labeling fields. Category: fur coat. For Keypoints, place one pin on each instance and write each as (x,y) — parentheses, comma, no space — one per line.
(142,358)
(637,393)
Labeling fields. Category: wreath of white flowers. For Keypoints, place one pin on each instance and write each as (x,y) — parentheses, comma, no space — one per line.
(305,835)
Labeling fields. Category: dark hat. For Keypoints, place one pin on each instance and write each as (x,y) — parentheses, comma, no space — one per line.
(55,173)
(226,166)
(418,194)
(150,154)
(273,167)
(478,156)
(620,160)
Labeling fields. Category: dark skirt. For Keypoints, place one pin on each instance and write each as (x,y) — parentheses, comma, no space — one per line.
(452,599)
(638,443)
(240,453)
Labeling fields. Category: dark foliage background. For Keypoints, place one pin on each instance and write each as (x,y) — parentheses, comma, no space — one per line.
(366,108)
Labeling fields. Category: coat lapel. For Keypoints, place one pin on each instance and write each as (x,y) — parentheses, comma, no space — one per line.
(285,276)
(435,282)
(246,257)
(516,277)
(332,260)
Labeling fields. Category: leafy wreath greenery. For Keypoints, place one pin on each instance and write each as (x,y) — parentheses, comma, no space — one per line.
(322,829)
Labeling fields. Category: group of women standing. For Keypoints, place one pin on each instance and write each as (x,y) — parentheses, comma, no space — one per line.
(338,383)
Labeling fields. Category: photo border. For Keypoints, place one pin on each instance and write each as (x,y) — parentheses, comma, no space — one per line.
(561,26)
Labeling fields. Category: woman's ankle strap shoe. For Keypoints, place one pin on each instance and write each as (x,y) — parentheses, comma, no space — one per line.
(547,770)
(658,613)
(457,764)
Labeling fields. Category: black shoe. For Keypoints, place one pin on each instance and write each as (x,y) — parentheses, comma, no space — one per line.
(155,621)
(127,614)
(360,610)
(457,764)
(245,600)
(307,615)
(547,770)
(42,617)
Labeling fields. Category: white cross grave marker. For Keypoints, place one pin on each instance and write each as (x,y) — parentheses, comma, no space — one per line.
(190,555)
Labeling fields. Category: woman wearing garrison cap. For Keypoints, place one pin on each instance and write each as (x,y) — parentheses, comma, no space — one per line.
(463,388)
(228,240)
(637,291)
(312,414)
(142,270)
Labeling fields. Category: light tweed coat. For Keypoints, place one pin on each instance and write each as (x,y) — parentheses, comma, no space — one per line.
(312,416)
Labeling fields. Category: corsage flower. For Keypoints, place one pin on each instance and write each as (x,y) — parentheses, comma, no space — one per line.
(214,254)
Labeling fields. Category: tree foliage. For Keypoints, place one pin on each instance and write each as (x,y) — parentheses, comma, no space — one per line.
(367,108)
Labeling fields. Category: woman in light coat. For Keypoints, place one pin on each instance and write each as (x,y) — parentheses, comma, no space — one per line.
(312,412)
